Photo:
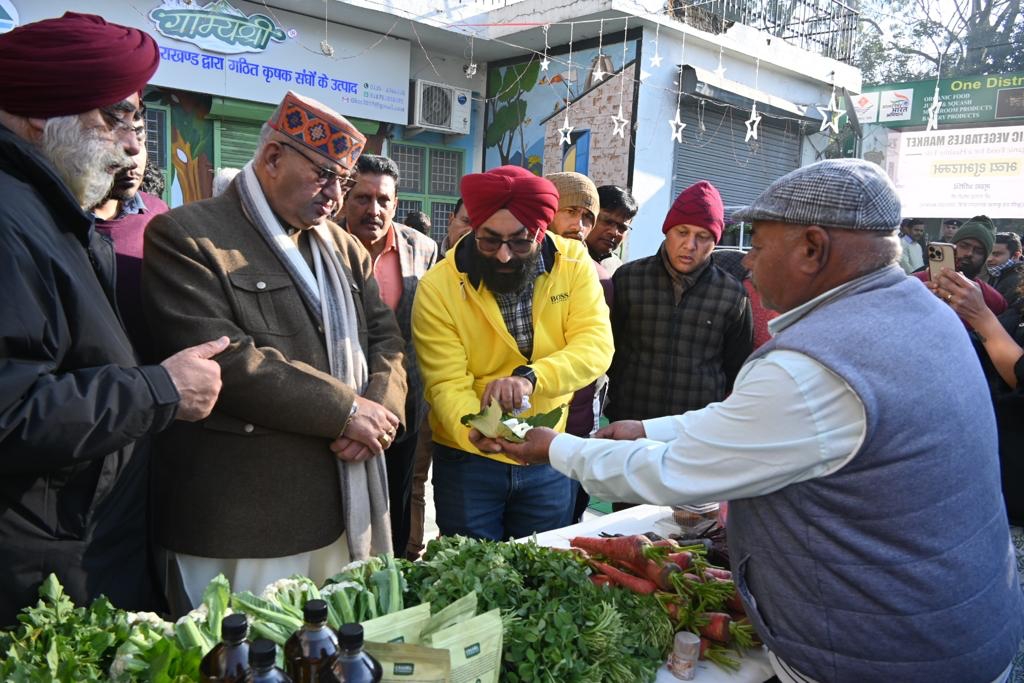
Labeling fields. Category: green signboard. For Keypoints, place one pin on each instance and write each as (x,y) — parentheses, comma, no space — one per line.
(972,99)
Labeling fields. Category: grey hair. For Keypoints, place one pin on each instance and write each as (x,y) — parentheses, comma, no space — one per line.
(82,158)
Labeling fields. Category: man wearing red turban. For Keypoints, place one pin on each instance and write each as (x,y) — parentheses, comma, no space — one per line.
(76,408)
(512,314)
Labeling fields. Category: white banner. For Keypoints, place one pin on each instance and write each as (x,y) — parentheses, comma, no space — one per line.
(961,172)
(246,51)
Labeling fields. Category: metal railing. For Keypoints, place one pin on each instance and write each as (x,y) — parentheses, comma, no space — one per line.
(826,27)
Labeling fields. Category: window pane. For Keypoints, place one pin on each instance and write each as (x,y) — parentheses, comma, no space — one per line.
(445,171)
(410,167)
(156,127)
(439,212)
(405,206)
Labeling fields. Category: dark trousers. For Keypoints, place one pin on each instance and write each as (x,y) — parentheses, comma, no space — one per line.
(400,459)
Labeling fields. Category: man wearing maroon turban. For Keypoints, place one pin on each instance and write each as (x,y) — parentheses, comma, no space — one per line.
(76,408)
(515,315)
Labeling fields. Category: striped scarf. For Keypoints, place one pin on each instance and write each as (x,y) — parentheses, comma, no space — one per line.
(327,293)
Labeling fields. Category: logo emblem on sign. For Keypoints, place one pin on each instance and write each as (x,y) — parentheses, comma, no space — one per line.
(8,16)
(216,26)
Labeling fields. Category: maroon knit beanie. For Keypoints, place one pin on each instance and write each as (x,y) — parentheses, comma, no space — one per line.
(700,205)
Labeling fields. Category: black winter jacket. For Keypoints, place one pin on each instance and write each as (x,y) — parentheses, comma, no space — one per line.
(75,410)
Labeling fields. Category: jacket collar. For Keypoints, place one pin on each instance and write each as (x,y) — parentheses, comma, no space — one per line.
(20,160)
(460,256)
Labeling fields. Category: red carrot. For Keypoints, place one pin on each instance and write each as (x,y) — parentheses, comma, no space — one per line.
(724,574)
(735,604)
(717,627)
(665,543)
(661,575)
(621,548)
(600,580)
(621,578)
(683,559)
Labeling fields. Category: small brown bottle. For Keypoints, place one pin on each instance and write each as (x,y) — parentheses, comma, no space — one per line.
(228,661)
(262,662)
(357,665)
(311,654)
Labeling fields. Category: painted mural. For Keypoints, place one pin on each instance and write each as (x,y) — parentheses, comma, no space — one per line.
(527,106)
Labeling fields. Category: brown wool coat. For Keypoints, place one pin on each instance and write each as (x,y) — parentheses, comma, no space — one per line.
(255,479)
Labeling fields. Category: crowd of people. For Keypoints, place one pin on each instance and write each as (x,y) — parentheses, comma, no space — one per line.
(257,384)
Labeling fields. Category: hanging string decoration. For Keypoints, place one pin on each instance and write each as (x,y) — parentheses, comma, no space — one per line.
(755,118)
(720,70)
(933,110)
(677,123)
(325,47)
(470,69)
(566,130)
(545,62)
(656,57)
(599,73)
(831,114)
(619,121)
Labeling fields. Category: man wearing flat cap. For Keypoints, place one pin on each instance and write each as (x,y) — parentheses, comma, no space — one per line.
(516,315)
(76,408)
(849,524)
(287,474)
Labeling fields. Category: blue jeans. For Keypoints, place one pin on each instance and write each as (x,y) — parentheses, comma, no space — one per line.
(483,498)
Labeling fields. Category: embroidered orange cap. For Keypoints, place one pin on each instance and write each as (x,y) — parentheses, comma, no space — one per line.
(319,128)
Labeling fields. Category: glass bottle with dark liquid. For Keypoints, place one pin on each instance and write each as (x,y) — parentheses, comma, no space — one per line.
(228,661)
(357,665)
(262,662)
(311,654)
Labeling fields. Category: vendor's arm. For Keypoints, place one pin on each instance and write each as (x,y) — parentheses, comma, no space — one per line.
(588,348)
(444,364)
(787,420)
(186,303)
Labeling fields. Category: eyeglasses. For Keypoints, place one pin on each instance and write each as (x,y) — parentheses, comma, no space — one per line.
(324,176)
(123,124)
(518,245)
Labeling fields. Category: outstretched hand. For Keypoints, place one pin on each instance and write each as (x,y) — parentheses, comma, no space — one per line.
(623,430)
(534,449)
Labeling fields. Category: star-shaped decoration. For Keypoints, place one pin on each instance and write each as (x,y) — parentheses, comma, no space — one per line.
(566,132)
(545,63)
(620,122)
(830,115)
(933,113)
(720,71)
(677,127)
(752,123)
(599,74)
(655,59)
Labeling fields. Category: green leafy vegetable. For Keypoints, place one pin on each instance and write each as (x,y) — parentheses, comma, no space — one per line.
(492,423)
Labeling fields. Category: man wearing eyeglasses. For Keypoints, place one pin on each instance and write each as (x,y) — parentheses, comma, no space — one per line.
(123,216)
(286,476)
(76,408)
(512,314)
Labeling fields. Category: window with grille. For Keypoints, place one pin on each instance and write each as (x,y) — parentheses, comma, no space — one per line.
(428,181)
(157,142)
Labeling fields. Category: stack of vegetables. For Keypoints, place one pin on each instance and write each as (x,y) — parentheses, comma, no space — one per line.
(695,595)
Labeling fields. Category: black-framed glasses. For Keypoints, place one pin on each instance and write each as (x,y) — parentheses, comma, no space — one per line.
(123,124)
(518,245)
(324,176)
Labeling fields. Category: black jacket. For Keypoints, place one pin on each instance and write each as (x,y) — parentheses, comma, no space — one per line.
(74,407)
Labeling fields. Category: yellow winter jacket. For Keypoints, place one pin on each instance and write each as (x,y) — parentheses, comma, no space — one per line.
(462,341)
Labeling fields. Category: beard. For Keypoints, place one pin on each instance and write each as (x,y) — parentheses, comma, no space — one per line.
(523,271)
(84,160)
(969,269)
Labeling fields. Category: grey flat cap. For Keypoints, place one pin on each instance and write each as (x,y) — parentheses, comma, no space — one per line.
(835,193)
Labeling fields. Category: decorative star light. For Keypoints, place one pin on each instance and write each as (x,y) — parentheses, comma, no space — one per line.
(566,131)
(655,58)
(752,123)
(677,127)
(933,112)
(830,115)
(599,74)
(620,122)
(545,63)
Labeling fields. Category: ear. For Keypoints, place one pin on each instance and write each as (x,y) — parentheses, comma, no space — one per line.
(270,158)
(814,247)
(34,128)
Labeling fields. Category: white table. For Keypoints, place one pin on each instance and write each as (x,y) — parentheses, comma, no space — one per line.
(754,666)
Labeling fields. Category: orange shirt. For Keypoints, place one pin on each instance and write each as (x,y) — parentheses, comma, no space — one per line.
(387,268)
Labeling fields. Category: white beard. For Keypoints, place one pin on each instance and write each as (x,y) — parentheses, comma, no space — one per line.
(84,160)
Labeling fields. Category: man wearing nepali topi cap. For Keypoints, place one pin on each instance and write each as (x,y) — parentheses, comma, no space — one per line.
(287,475)
(76,408)
(849,518)
(516,315)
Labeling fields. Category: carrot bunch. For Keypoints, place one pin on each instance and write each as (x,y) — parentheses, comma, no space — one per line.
(696,595)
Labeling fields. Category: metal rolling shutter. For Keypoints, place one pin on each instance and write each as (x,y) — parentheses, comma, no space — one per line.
(238,141)
(720,156)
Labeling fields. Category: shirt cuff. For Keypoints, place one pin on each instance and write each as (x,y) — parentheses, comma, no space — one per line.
(661,428)
(561,450)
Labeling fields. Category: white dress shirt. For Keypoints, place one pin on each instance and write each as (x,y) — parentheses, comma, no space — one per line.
(788,419)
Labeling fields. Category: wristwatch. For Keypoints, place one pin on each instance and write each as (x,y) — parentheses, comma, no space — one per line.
(526,372)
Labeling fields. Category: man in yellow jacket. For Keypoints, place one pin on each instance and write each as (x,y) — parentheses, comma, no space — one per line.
(513,314)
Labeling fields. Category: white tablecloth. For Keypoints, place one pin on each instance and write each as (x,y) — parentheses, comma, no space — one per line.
(754,666)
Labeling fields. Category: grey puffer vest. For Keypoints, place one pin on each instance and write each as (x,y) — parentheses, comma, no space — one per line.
(897,567)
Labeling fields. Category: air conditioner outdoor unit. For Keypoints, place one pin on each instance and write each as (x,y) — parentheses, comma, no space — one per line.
(441,107)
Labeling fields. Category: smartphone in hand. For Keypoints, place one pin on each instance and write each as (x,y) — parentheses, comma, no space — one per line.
(940,255)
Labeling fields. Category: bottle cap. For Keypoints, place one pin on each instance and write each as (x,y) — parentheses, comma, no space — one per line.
(262,653)
(234,628)
(315,612)
(350,636)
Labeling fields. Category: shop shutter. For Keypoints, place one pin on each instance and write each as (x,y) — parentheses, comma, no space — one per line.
(238,142)
(720,156)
